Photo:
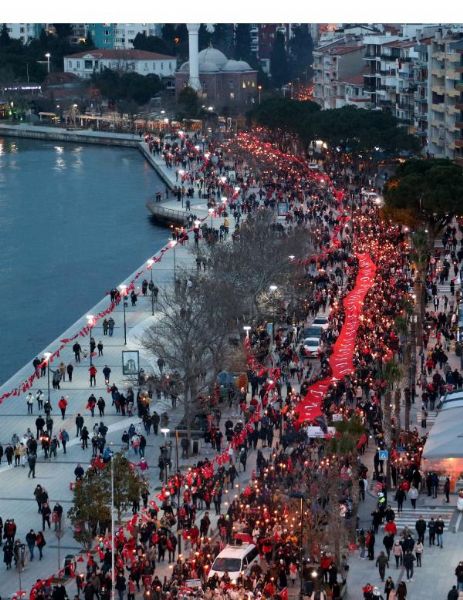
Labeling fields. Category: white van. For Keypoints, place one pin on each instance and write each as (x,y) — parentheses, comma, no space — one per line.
(235,560)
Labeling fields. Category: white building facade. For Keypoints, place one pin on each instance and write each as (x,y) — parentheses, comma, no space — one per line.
(84,64)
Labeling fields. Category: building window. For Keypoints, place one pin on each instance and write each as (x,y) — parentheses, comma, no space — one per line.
(232,95)
(88,64)
(78,64)
(70,64)
(162,66)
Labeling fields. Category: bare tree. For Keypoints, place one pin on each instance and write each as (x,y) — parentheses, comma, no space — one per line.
(260,257)
(190,335)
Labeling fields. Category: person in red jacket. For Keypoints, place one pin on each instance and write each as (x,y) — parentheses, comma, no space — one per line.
(92,371)
(62,405)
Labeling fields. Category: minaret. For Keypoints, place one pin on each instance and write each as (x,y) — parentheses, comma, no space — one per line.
(193,82)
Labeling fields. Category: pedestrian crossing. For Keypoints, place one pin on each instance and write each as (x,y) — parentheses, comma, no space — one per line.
(408,517)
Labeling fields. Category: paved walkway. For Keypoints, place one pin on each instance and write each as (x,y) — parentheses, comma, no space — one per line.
(16,498)
(435,578)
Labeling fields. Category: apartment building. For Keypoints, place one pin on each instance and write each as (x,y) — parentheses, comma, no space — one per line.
(120,35)
(445,107)
(25,31)
(334,63)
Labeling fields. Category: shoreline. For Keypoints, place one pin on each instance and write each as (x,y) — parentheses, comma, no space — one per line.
(87,136)
(15,381)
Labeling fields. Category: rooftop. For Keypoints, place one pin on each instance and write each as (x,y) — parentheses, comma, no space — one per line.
(129,54)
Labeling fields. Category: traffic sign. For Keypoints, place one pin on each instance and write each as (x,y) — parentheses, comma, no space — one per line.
(383,455)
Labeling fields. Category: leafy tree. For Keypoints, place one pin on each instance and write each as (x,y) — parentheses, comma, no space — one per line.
(428,191)
(4,37)
(151,43)
(187,103)
(168,35)
(301,48)
(243,42)
(204,37)
(117,86)
(63,30)
(92,497)
(392,374)
(181,41)
(283,114)
(89,43)
(279,68)
(222,38)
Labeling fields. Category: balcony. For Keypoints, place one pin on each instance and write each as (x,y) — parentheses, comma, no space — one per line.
(459,143)
(438,89)
(459,160)
(389,58)
(440,108)
(459,105)
(459,124)
(453,93)
(438,72)
(459,86)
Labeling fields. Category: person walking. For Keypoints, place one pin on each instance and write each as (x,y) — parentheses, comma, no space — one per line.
(420,527)
(46,512)
(107,374)
(101,405)
(31,539)
(401,591)
(418,553)
(39,396)
(382,562)
(62,405)
(79,424)
(388,587)
(447,490)
(92,372)
(400,496)
(77,350)
(31,461)
(70,370)
(440,525)
(40,541)
(30,403)
(398,552)
(64,438)
(413,495)
(432,531)
(110,326)
(100,348)
(409,559)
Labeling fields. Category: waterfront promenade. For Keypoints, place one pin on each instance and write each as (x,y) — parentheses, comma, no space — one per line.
(16,499)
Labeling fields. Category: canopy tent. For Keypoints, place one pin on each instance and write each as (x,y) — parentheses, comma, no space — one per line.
(443,451)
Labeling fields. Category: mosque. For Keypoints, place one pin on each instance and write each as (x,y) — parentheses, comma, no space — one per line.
(220,82)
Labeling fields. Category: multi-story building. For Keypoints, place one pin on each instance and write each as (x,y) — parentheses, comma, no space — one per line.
(84,64)
(445,114)
(421,95)
(333,64)
(120,35)
(25,31)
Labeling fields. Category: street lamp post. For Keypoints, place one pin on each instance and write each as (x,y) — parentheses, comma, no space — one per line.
(247,329)
(273,289)
(259,89)
(211,212)
(113,562)
(150,263)
(48,56)
(165,431)
(47,356)
(173,244)
(123,290)
(91,323)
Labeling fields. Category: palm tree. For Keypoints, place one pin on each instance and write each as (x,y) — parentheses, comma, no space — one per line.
(420,255)
(392,374)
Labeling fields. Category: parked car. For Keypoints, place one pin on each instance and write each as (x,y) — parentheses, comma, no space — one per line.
(311,347)
(320,321)
(312,331)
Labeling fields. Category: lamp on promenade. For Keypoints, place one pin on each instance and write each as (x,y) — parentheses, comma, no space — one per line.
(90,323)
(165,431)
(273,289)
(211,212)
(123,290)
(150,264)
(48,56)
(300,496)
(259,88)
(247,329)
(172,244)
(47,356)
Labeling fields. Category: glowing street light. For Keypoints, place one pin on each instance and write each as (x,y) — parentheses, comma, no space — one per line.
(48,56)
(247,329)
(90,323)
(47,356)
(123,290)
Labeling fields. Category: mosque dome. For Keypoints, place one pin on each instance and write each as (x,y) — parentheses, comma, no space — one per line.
(236,66)
(208,67)
(185,67)
(212,56)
